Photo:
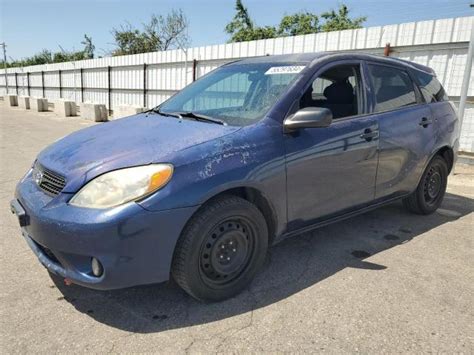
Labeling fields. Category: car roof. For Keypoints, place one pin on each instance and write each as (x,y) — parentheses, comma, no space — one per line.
(308,58)
(282,58)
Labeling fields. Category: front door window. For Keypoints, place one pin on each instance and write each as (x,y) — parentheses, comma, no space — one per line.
(338,89)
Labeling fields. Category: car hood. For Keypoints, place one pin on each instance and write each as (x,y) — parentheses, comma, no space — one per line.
(132,141)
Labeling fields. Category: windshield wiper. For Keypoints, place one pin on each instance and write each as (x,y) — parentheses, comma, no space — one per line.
(199,117)
(186,114)
(158,111)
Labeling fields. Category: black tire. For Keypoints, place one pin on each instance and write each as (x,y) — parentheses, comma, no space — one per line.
(221,249)
(430,191)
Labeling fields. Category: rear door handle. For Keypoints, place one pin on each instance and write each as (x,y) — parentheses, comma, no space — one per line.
(369,134)
(425,122)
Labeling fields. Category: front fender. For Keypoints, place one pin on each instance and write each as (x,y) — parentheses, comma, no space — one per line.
(252,157)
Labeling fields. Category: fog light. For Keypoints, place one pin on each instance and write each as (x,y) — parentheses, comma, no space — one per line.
(97,268)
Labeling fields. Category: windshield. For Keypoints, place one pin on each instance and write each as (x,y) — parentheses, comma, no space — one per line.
(237,94)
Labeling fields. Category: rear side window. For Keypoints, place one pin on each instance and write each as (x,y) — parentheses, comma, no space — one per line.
(430,87)
(393,88)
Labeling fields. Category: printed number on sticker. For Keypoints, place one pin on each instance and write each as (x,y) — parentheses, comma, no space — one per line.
(290,69)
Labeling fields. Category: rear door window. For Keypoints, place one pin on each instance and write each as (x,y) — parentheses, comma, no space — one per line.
(393,88)
(430,87)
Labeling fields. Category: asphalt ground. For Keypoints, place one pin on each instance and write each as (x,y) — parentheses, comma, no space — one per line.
(383,282)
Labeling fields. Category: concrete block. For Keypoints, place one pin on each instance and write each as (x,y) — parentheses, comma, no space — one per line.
(127,110)
(38,104)
(94,112)
(24,102)
(65,108)
(11,100)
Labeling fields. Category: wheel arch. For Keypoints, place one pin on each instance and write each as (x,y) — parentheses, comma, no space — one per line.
(254,195)
(447,153)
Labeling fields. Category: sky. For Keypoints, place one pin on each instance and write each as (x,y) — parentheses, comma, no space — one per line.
(28,26)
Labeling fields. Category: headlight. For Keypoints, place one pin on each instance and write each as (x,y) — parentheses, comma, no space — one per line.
(124,185)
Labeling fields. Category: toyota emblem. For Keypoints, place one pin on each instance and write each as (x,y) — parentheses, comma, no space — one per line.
(38,176)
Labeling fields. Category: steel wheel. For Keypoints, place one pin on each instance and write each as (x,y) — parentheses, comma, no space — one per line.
(429,194)
(226,251)
(221,249)
(432,185)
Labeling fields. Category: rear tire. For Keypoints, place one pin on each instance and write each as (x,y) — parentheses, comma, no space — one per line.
(221,249)
(430,191)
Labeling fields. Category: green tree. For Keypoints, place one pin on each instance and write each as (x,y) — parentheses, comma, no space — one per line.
(64,56)
(301,23)
(340,20)
(251,34)
(47,57)
(241,21)
(129,40)
(159,34)
(89,47)
(43,57)
(243,28)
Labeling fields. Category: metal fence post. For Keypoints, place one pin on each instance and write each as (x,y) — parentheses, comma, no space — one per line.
(109,88)
(28,82)
(60,85)
(16,83)
(144,85)
(42,83)
(6,80)
(82,85)
(194,69)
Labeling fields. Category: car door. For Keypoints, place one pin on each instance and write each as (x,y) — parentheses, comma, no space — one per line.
(332,169)
(406,127)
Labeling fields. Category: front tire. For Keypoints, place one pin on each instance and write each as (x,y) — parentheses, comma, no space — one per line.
(221,249)
(430,191)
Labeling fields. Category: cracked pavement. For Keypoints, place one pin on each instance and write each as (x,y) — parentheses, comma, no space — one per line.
(383,282)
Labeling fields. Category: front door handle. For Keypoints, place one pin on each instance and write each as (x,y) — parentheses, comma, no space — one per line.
(425,122)
(369,134)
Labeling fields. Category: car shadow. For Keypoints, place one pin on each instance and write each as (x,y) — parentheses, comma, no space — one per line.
(292,265)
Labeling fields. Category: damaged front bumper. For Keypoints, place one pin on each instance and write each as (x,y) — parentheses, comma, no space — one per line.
(135,246)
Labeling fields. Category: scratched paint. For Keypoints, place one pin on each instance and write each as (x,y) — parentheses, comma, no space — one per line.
(137,140)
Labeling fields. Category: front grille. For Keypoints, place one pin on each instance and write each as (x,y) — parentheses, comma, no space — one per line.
(48,180)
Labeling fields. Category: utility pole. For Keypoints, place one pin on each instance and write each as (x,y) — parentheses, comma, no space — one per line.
(5,64)
(465,81)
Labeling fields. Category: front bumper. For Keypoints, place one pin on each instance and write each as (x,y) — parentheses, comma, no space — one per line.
(135,246)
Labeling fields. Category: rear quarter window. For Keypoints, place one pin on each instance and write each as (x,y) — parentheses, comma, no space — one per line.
(430,87)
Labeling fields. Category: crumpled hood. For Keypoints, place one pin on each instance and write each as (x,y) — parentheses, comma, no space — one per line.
(132,141)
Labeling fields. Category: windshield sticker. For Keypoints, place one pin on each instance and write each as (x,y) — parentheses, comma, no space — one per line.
(290,69)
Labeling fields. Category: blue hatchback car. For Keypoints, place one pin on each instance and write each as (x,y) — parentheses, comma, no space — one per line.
(256,150)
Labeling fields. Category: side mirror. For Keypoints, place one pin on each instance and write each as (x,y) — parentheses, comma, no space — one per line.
(308,117)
